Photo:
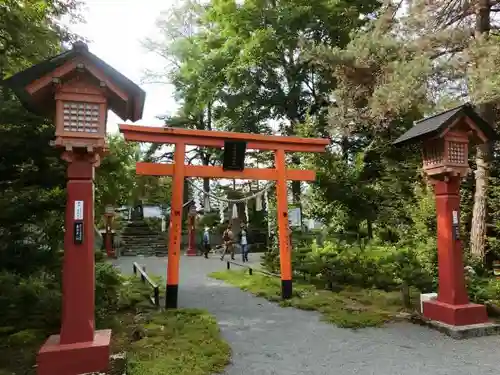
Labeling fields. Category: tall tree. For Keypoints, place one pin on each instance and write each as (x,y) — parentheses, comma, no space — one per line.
(442,53)
(178,45)
(261,43)
(244,61)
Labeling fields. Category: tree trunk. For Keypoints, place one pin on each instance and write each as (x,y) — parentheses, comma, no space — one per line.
(483,154)
(369,228)
(479,211)
(296,185)
(206,154)
(405,295)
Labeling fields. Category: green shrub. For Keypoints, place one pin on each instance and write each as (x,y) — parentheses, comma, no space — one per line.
(30,302)
(483,290)
(339,264)
(133,292)
(107,290)
(99,256)
(26,337)
(270,259)
(34,302)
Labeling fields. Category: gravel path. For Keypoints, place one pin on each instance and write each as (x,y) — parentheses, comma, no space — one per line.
(267,339)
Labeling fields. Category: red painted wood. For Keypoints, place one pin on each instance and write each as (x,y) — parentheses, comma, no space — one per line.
(79,348)
(452,305)
(216,139)
(174,232)
(455,315)
(78,271)
(156,169)
(451,269)
(78,358)
(282,217)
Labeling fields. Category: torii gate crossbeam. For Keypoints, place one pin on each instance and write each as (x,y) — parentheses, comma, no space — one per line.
(178,170)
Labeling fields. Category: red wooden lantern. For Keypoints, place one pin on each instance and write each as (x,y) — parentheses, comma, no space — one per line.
(76,89)
(447,155)
(445,141)
(81,109)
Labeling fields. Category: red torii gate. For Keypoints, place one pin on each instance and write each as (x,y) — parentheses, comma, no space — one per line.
(181,138)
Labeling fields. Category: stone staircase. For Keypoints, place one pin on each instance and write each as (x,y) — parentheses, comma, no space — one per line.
(137,238)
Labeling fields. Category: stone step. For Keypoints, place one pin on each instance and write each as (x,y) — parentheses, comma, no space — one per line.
(153,244)
(143,244)
(149,253)
(143,240)
(142,236)
(133,252)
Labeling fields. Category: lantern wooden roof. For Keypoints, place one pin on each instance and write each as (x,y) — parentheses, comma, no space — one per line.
(35,85)
(432,126)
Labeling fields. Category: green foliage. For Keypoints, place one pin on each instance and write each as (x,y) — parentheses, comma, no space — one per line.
(238,66)
(31,172)
(484,290)
(115,177)
(26,337)
(338,265)
(210,220)
(30,31)
(121,303)
(117,183)
(184,341)
(108,282)
(32,302)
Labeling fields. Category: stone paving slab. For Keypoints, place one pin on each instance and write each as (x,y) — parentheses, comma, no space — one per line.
(269,340)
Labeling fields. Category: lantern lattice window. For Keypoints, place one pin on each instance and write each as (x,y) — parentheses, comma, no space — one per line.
(81,117)
(457,152)
(433,154)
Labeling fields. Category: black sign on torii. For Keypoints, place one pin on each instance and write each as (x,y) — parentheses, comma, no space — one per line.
(234,155)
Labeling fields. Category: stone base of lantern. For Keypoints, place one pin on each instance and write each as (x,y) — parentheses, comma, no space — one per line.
(465,332)
(455,315)
(78,358)
(459,321)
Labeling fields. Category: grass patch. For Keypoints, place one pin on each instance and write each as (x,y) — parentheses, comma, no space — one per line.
(180,342)
(350,308)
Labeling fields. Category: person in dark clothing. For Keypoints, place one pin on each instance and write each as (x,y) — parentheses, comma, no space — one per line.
(244,242)
(206,242)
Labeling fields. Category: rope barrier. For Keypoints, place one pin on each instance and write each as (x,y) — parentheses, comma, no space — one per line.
(227,200)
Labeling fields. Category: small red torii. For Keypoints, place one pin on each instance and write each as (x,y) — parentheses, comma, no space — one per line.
(181,138)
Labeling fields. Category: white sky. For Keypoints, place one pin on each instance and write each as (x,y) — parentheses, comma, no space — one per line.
(115,29)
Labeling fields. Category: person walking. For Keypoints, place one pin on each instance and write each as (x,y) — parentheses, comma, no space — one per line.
(227,237)
(206,242)
(243,240)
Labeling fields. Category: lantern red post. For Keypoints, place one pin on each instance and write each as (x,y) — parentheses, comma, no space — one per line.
(191,251)
(77,89)
(78,347)
(108,239)
(452,305)
(108,236)
(445,139)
